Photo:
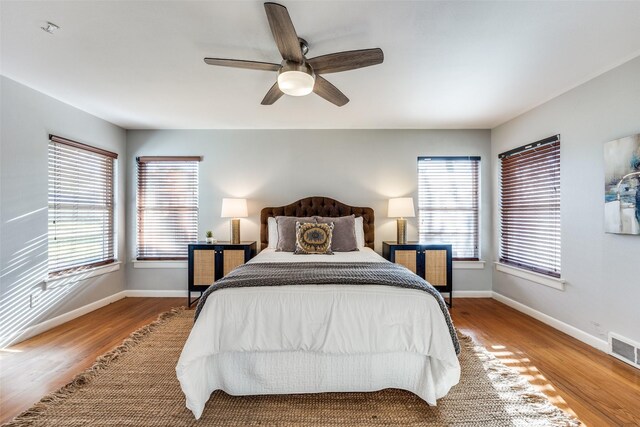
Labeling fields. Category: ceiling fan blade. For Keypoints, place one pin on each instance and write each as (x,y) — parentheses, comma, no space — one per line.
(239,63)
(273,95)
(329,92)
(283,32)
(349,60)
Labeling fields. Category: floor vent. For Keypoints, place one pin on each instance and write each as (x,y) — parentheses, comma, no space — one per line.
(624,349)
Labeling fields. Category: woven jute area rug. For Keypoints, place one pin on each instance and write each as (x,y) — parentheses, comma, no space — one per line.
(136,385)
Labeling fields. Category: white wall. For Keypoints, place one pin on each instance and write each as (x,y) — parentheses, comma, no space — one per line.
(358,167)
(28,117)
(602,270)
(276,167)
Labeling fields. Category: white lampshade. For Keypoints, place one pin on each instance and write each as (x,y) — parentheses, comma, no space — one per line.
(295,83)
(401,207)
(234,208)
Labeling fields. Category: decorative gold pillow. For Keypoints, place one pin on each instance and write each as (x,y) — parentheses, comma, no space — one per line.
(312,238)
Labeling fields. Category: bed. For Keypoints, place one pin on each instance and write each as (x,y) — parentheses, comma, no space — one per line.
(283,332)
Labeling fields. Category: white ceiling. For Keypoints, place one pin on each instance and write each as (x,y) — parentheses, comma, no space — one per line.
(447,64)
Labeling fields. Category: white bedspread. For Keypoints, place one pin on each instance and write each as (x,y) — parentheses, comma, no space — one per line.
(300,339)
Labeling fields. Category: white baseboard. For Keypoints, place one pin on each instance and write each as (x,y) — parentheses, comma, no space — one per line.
(144,293)
(39,328)
(576,333)
(472,294)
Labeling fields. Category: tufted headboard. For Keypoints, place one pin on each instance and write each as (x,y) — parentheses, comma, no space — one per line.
(321,206)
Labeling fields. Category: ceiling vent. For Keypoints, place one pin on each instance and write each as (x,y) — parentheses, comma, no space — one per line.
(624,349)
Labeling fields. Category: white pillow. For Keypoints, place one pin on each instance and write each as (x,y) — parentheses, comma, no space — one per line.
(360,232)
(272,231)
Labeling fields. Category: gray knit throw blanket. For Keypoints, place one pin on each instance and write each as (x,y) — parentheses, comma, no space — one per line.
(328,273)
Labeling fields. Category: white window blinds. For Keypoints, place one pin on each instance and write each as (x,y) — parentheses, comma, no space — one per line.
(81,205)
(167,206)
(530,207)
(448,203)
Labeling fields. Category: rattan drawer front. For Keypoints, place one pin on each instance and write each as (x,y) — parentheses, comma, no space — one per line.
(232,259)
(408,259)
(435,267)
(204,267)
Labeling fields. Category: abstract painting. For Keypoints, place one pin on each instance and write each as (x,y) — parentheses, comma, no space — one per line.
(622,185)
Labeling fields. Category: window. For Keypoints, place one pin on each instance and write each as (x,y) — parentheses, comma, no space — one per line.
(530,207)
(448,203)
(81,204)
(167,206)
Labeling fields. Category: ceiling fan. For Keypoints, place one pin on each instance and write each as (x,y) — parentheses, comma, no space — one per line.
(297,75)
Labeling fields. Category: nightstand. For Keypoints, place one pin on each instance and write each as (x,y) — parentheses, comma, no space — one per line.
(434,263)
(209,262)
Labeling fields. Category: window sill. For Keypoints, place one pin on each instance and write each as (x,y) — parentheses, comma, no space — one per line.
(160,264)
(468,265)
(552,282)
(82,275)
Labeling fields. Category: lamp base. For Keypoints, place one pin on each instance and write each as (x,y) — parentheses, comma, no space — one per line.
(402,231)
(235,231)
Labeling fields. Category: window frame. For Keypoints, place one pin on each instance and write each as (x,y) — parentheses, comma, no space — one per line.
(552,145)
(477,236)
(52,212)
(141,257)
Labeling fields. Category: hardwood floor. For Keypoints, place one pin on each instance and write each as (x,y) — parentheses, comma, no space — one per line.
(597,388)
(46,362)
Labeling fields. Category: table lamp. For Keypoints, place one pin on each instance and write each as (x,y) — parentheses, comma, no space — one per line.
(399,208)
(234,209)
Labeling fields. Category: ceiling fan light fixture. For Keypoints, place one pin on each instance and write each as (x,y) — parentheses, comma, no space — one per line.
(296,79)
(297,75)
(296,83)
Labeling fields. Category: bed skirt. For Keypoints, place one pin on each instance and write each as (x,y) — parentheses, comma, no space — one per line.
(294,372)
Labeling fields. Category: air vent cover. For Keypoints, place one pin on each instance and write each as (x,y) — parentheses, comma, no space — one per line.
(624,349)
